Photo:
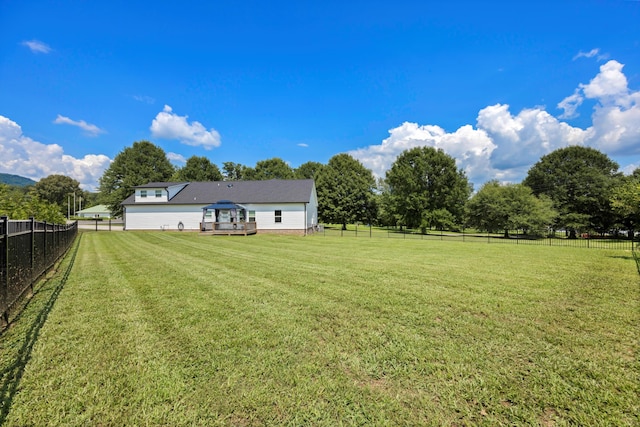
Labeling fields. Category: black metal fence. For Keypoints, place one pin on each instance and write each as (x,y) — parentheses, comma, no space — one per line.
(584,241)
(27,250)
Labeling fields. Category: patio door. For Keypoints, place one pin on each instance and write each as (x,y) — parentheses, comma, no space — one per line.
(224,215)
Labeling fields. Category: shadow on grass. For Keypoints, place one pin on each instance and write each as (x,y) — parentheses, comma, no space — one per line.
(11,375)
(636,256)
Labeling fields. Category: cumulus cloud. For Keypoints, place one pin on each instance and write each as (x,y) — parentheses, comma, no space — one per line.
(21,155)
(88,128)
(168,125)
(37,46)
(504,145)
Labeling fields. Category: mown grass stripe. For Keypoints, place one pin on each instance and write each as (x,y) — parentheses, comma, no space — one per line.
(181,329)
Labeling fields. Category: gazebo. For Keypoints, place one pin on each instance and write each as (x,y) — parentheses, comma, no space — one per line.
(227,218)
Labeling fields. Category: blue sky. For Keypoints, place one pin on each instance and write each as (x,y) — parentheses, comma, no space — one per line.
(494,84)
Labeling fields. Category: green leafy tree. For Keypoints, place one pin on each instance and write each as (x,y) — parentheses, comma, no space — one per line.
(579,181)
(308,170)
(139,164)
(16,204)
(274,168)
(198,169)
(509,207)
(423,183)
(59,189)
(385,214)
(345,191)
(233,171)
(625,201)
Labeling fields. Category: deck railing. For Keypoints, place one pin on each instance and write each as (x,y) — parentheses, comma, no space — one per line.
(248,227)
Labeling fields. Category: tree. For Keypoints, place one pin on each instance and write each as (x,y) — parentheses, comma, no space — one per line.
(274,168)
(345,191)
(578,180)
(198,169)
(423,183)
(233,171)
(509,207)
(308,170)
(17,204)
(57,189)
(139,164)
(625,201)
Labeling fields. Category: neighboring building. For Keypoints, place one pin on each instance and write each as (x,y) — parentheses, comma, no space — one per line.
(98,211)
(274,206)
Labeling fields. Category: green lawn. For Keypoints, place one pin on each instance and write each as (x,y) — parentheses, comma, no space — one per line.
(177,329)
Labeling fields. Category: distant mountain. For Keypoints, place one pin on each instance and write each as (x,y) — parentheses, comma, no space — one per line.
(20,181)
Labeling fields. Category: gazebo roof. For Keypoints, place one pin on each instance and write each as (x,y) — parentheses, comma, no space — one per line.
(223,204)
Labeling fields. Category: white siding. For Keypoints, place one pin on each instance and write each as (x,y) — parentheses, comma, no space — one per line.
(151,195)
(163,217)
(292,216)
(167,217)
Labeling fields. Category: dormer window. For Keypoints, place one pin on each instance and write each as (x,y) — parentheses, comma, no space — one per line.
(143,194)
(158,193)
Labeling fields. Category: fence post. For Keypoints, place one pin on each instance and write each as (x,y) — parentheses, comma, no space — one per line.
(4,271)
(33,249)
(44,244)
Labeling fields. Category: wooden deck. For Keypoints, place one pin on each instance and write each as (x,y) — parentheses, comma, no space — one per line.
(228,228)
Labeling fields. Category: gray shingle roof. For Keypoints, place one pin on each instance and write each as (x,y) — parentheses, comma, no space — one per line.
(204,193)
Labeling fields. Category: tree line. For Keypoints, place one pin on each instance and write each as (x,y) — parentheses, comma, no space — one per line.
(576,189)
(51,199)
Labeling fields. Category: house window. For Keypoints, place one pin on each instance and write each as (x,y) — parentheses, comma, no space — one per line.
(278,216)
(158,193)
(252,216)
(143,194)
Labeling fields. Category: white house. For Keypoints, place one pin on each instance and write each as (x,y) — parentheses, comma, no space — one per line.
(274,206)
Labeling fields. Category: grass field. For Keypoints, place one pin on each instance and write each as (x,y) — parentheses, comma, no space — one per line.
(177,329)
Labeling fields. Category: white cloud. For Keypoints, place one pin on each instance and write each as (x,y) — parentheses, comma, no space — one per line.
(593,52)
(37,46)
(616,116)
(610,82)
(145,99)
(21,155)
(168,125)
(472,148)
(176,158)
(303,145)
(590,54)
(89,129)
(570,104)
(504,145)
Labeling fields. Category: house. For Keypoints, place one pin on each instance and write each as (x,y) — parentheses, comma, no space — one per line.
(224,207)
(98,211)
